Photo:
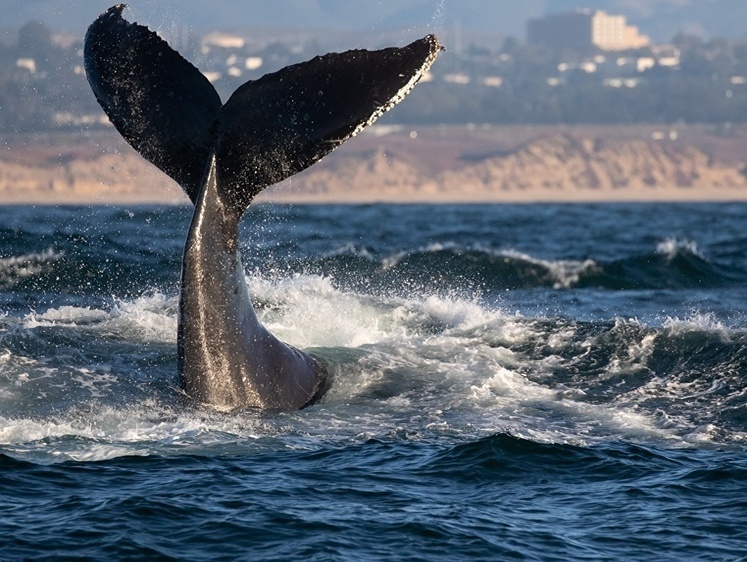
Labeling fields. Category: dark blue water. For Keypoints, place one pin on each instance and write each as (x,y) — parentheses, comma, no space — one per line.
(547,382)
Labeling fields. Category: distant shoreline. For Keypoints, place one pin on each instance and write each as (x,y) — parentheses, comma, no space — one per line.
(410,165)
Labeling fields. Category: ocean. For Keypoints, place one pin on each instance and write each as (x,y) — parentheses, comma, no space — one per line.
(511,382)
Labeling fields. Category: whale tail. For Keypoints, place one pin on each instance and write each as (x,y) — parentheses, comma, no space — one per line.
(269,129)
(223,155)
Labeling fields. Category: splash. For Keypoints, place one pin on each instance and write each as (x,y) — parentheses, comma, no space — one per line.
(673,247)
(439,16)
(92,383)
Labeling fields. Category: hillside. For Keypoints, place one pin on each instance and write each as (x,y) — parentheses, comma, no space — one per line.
(558,167)
(564,164)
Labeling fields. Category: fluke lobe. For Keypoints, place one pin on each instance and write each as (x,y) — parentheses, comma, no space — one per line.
(223,155)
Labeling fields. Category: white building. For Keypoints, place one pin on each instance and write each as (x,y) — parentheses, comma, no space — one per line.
(585,29)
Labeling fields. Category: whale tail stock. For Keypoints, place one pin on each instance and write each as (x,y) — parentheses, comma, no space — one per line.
(223,155)
(269,129)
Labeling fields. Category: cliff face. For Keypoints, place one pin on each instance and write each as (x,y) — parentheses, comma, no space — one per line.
(585,166)
(558,167)
(104,178)
(549,168)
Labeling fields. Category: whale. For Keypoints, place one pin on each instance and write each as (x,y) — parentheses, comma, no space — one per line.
(223,155)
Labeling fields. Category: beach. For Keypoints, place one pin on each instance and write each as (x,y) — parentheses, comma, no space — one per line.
(413,164)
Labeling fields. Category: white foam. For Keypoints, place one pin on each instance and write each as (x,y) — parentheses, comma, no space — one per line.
(672,247)
(432,248)
(310,312)
(414,368)
(452,313)
(150,317)
(15,268)
(637,354)
(565,273)
(106,432)
(418,347)
(697,322)
(65,316)
(350,249)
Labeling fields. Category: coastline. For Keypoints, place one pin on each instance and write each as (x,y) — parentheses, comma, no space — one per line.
(402,164)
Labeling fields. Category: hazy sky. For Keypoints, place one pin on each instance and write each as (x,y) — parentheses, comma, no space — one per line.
(658,18)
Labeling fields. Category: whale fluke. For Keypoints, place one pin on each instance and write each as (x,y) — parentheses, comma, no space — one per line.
(269,129)
(223,155)
(161,104)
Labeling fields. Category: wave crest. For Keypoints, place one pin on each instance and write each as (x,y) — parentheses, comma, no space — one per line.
(14,269)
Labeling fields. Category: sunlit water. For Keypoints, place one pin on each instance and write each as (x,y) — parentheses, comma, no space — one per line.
(511,382)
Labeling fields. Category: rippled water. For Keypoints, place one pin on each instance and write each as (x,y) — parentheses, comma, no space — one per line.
(511,382)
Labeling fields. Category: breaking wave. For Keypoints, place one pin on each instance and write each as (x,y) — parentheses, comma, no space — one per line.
(672,264)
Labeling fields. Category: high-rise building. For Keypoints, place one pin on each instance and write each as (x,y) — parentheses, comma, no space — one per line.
(585,29)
